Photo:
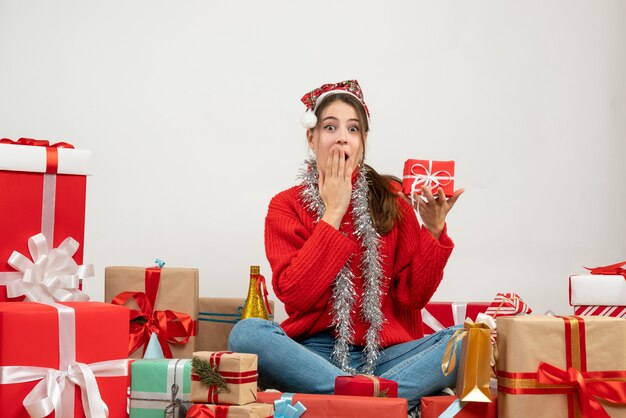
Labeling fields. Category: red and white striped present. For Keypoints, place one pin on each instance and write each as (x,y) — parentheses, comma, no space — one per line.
(507,304)
(614,311)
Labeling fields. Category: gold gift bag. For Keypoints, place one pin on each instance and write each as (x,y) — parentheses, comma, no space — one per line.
(472,383)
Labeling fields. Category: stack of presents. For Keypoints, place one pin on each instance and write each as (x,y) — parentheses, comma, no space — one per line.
(157,349)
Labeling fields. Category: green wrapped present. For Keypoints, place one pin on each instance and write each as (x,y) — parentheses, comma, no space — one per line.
(160,388)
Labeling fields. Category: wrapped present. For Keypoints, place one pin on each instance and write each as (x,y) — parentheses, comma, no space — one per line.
(65,359)
(224,377)
(440,315)
(365,385)
(251,410)
(340,406)
(451,406)
(43,191)
(429,174)
(216,317)
(604,286)
(561,367)
(160,387)
(163,300)
(507,304)
(614,311)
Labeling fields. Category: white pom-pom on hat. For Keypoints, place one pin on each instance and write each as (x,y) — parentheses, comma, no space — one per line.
(309,120)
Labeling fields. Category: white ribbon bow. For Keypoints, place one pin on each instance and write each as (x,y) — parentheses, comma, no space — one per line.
(428,179)
(46,395)
(51,276)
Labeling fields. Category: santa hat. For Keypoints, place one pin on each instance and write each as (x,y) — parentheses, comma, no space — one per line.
(315,97)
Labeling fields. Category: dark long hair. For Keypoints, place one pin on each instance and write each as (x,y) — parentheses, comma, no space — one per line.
(383,204)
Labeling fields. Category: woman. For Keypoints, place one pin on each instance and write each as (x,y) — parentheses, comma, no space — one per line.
(351,264)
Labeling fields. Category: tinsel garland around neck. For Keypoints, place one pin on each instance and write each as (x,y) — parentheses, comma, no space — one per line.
(343,293)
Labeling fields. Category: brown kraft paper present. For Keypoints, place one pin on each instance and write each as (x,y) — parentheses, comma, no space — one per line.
(236,383)
(555,367)
(176,291)
(216,317)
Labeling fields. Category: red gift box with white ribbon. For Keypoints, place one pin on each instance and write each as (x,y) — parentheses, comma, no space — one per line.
(43,191)
(430,174)
(63,360)
(440,315)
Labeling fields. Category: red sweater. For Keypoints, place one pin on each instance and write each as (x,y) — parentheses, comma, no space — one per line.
(306,257)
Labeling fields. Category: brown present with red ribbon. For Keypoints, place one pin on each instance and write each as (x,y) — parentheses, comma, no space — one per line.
(251,410)
(366,385)
(560,366)
(224,377)
(430,174)
(43,191)
(162,301)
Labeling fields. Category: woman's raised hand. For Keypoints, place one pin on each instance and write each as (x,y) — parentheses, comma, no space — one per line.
(433,211)
(335,186)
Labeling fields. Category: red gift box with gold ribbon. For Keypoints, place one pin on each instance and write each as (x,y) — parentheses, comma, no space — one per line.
(365,385)
(63,359)
(43,191)
(566,367)
(162,301)
(430,174)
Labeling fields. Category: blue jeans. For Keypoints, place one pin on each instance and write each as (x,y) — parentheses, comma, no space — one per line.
(305,366)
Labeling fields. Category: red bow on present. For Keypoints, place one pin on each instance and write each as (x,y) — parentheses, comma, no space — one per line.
(588,390)
(171,327)
(612,269)
(36,143)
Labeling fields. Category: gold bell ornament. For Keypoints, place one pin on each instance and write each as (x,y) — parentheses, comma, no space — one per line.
(257,305)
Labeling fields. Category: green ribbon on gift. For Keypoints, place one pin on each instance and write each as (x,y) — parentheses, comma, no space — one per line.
(160,388)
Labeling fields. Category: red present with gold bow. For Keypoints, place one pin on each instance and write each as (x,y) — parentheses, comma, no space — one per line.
(365,385)
(162,301)
(43,191)
(435,406)
(224,377)
(568,367)
(429,174)
(251,410)
(63,360)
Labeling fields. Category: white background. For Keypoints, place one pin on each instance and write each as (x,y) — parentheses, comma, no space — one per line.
(192,111)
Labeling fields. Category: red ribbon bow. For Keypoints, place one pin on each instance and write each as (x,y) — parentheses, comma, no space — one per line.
(52,150)
(36,143)
(170,326)
(612,269)
(588,390)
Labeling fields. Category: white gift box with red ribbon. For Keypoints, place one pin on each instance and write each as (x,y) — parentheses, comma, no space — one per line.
(597,290)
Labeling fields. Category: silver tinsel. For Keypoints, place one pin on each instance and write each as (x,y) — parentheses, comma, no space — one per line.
(343,293)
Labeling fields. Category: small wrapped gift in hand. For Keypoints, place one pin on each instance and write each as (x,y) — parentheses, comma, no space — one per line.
(430,174)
